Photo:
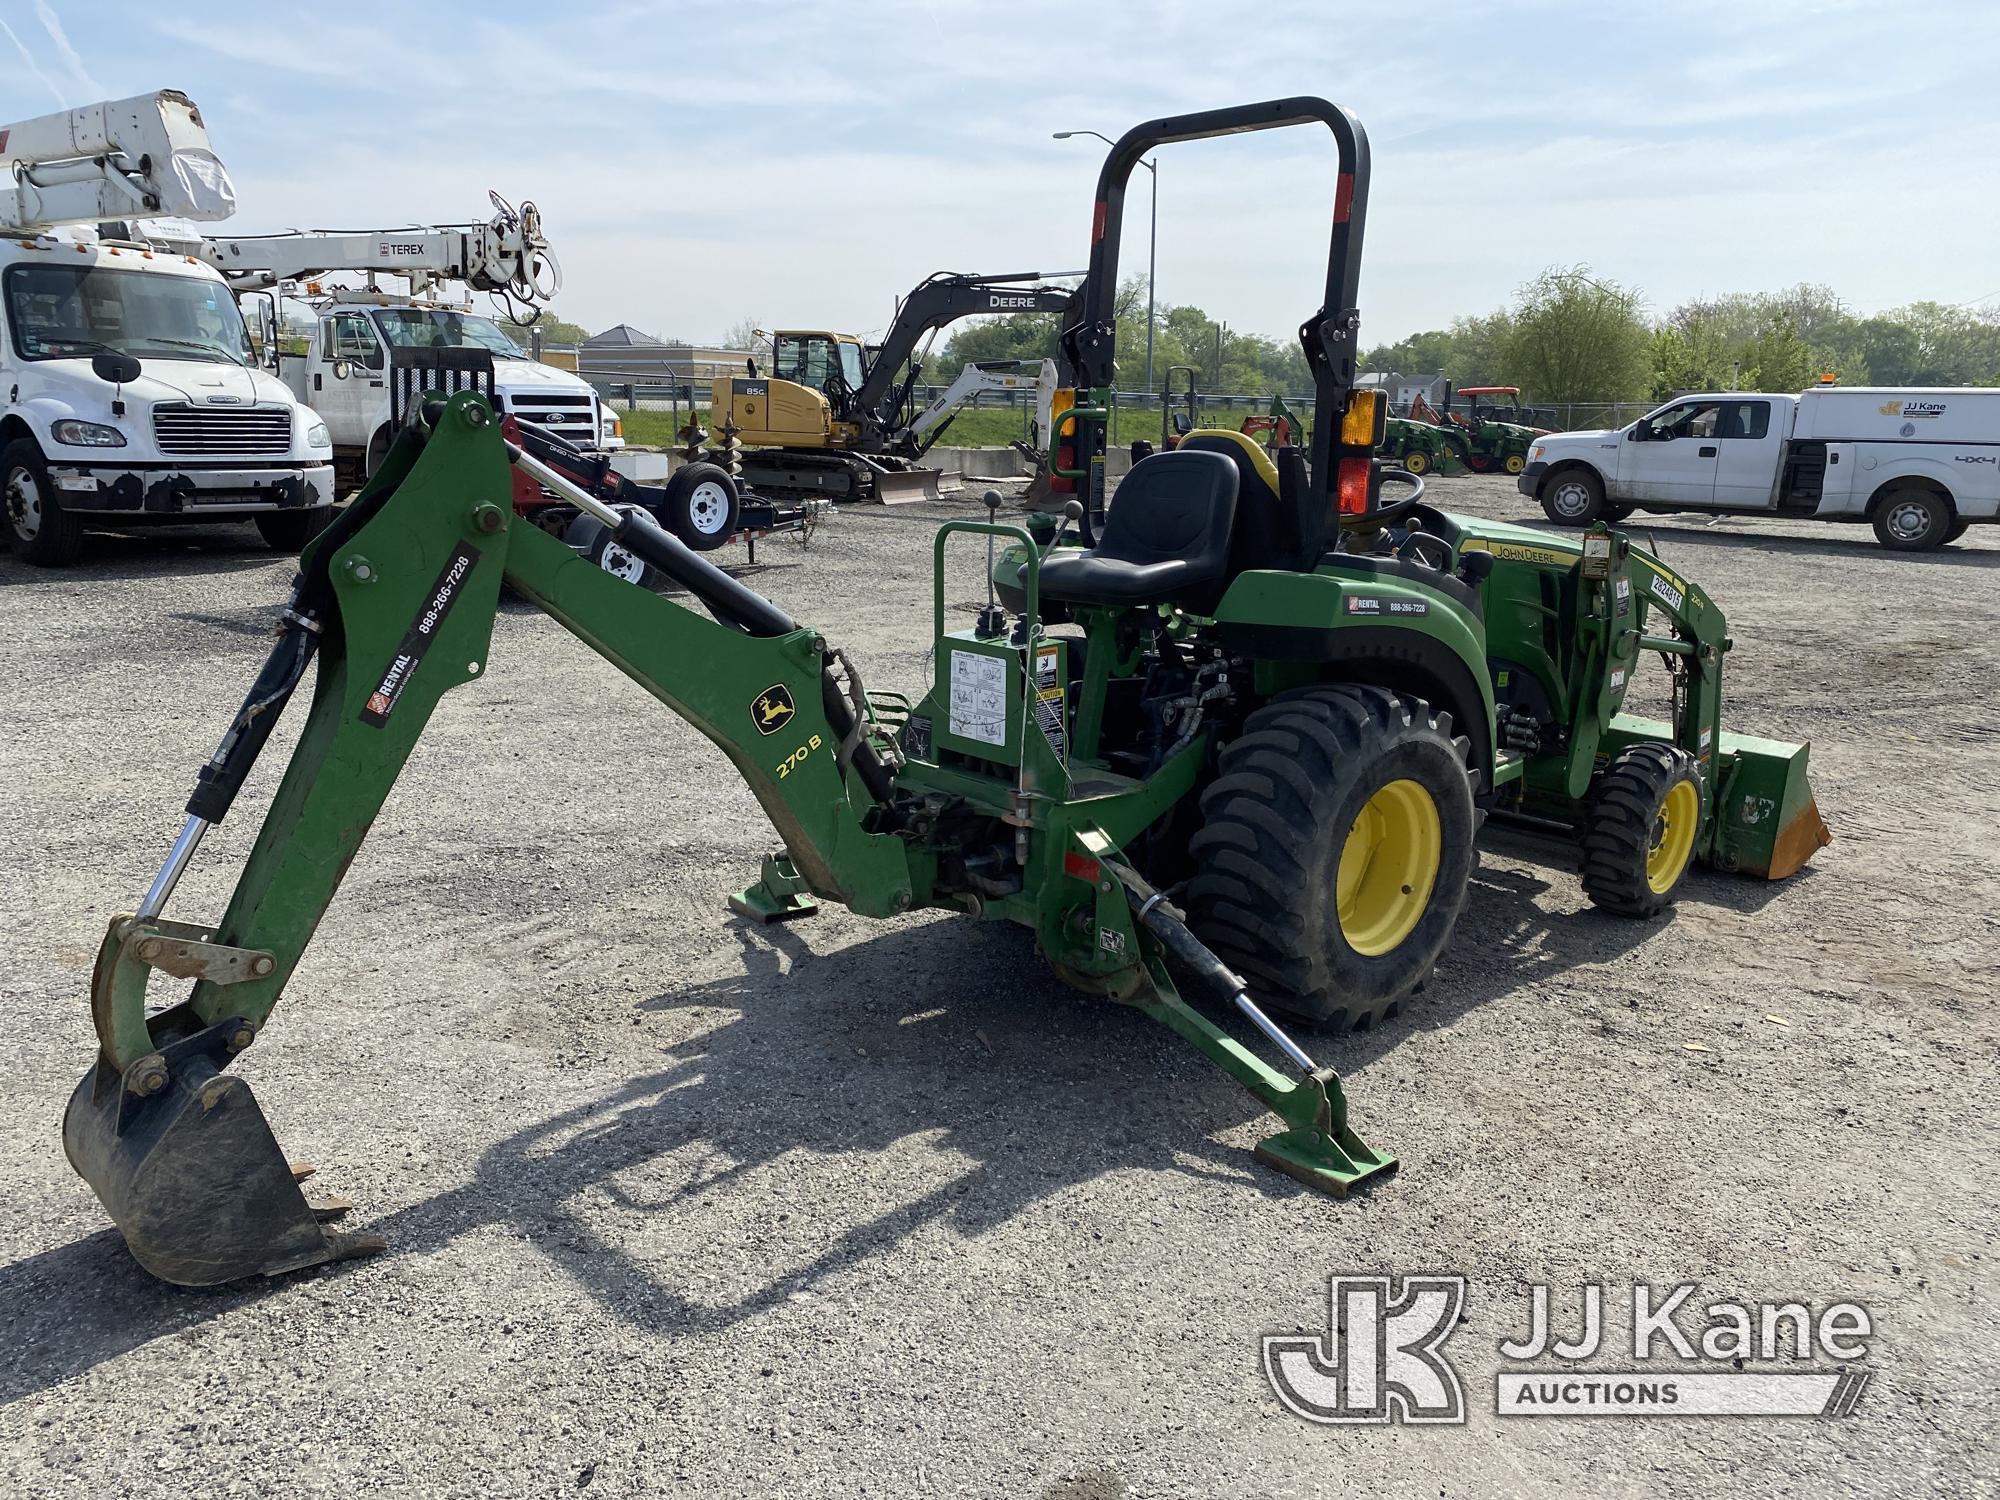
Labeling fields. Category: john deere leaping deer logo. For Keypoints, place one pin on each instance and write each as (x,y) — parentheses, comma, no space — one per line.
(773,709)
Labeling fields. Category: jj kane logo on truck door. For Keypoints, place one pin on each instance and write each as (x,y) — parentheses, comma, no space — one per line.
(1919,409)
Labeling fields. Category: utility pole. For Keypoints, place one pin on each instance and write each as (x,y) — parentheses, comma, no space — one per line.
(1152,244)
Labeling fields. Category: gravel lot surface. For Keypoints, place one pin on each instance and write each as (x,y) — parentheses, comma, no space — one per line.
(680,1205)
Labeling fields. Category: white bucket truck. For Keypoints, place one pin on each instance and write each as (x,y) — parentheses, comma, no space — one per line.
(1919,465)
(128,391)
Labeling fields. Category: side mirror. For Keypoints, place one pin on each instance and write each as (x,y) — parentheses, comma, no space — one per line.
(114,368)
(341,369)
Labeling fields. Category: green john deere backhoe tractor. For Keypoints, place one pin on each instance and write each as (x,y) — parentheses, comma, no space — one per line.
(1240,732)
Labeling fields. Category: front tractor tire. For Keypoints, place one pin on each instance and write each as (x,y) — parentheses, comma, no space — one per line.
(39,529)
(1417,461)
(1572,497)
(1640,828)
(1334,852)
(1514,463)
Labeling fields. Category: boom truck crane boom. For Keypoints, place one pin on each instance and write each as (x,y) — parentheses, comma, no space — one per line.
(130,393)
(833,418)
(146,157)
(362,334)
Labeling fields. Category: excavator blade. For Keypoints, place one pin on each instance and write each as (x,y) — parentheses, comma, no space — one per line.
(192,1175)
(904,486)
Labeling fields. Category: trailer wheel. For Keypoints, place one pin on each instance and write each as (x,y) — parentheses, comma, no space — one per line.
(594,540)
(701,506)
(1573,497)
(1334,851)
(41,531)
(1639,829)
(1913,519)
(290,530)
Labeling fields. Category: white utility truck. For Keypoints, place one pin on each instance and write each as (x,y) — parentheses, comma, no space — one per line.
(1920,466)
(360,334)
(128,392)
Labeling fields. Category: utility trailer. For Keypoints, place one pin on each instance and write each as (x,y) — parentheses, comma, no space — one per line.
(701,504)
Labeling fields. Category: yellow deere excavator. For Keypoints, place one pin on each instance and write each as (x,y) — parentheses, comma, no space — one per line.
(832,415)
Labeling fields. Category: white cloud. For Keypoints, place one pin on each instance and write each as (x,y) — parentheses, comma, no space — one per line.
(33,67)
(52,24)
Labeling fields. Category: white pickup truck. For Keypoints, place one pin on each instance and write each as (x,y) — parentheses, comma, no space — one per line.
(344,374)
(1921,466)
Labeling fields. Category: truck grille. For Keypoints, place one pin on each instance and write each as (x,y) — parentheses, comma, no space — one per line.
(227,432)
(572,416)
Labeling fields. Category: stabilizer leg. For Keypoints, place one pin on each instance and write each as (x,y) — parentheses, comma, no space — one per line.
(779,895)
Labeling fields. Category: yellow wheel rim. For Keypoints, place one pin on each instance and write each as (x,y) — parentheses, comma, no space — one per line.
(1673,837)
(1516,463)
(1387,868)
(1416,462)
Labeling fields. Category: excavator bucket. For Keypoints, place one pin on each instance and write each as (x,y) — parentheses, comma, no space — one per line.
(190,1172)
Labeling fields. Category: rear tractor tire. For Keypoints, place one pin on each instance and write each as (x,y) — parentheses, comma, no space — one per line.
(1639,830)
(1334,853)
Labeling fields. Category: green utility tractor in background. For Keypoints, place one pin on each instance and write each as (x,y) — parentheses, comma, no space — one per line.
(1238,732)
(1423,448)
(1497,432)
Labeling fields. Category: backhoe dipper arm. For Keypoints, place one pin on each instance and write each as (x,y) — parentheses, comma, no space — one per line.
(400,597)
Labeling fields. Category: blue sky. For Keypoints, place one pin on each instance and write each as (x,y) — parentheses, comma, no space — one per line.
(700,163)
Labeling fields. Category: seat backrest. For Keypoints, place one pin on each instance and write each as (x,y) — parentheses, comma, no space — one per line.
(1177,505)
(1272,529)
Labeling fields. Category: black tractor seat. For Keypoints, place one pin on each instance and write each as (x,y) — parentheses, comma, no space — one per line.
(1166,538)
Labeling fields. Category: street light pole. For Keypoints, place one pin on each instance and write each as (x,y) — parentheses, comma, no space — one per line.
(1152,244)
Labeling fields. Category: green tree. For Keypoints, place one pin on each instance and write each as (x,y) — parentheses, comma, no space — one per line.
(1574,337)
(553,330)
(1779,358)
(1691,355)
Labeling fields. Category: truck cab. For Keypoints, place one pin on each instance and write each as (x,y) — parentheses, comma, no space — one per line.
(344,373)
(194,431)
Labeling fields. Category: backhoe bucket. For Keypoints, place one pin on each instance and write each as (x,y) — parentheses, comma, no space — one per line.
(192,1175)
(1766,821)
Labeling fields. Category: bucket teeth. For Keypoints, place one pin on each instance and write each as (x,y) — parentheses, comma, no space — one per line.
(301,1170)
(331,1209)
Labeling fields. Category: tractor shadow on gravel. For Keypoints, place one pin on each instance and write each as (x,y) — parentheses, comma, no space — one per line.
(950,1031)
(945,1044)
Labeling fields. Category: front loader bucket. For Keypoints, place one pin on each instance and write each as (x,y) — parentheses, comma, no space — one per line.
(1766,821)
(192,1175)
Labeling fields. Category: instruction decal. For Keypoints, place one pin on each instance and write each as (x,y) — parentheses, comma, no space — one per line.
(417,639)
(772,709)
(1050,693)
(979,697)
